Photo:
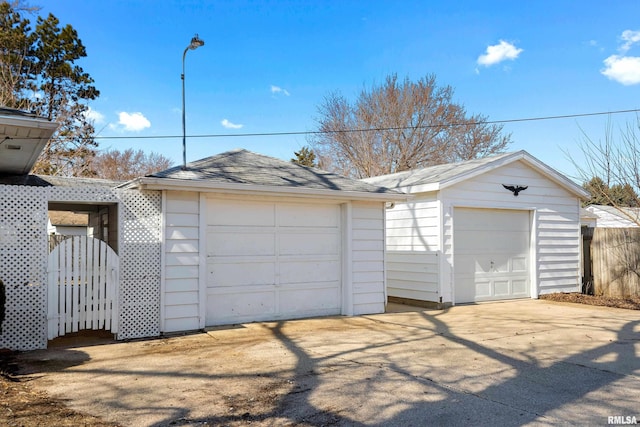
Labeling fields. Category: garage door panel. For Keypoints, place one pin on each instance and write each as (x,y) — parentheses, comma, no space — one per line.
(241,244)
(503,220)
(240,305)
(309,243)
(520,287)
(482,288)
(298,271)
(472,242)
(501,288)
(241,213)
(469,264)
(313,300)
(519,264)
(241,274)
(500,263)
(305,215)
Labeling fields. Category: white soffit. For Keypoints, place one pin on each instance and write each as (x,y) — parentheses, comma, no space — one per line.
(22,139)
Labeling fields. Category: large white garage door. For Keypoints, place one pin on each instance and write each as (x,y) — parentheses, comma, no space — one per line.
(269,260)
(491,254)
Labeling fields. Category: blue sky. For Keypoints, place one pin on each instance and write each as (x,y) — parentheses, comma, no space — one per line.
(267,65)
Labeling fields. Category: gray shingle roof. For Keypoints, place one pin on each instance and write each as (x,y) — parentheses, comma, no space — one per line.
(245,167)
(441,176)
(433,174)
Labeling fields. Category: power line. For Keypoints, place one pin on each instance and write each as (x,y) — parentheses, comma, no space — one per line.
(380,129)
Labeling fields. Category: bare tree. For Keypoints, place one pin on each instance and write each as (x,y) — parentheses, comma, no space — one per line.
(128,164)
(611,168)
(400,125)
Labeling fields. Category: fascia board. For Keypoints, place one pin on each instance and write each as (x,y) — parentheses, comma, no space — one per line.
(420,188)
(28,122)
(150,183)
(558,178)
(481,169)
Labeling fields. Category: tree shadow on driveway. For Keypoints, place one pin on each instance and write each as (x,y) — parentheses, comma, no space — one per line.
(421,369)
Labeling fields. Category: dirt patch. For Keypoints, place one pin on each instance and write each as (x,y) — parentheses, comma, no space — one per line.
(631,303)
(21,405)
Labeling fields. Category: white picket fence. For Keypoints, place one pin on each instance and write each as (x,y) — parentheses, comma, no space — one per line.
(83,274)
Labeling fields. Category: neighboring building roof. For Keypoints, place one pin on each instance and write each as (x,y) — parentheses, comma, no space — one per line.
(435,178)
(66,219)
(74,181)
(57,181)
(23,136)
(615,217)
(242,170)
(588,219)
(4,111)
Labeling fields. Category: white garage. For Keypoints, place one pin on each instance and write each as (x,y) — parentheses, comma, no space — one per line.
(248,237)
(502,227)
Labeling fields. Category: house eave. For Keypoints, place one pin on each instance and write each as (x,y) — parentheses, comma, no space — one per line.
(28,122)
(152,183)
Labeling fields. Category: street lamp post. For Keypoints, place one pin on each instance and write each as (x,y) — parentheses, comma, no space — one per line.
(195,43)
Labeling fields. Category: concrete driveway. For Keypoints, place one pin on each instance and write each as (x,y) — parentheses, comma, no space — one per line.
(525,362)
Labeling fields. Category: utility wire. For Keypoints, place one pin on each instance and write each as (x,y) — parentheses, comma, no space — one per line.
(380,129)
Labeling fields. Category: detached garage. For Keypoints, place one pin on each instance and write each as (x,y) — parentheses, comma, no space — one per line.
(502,227)
(247,237)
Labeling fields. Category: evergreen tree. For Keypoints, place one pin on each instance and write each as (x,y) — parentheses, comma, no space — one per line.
(620,195)
(65,87)
(39,73)
(305,157)
(16,59)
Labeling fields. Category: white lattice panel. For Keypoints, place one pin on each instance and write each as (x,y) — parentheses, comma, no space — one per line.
(24,251)
(140,222)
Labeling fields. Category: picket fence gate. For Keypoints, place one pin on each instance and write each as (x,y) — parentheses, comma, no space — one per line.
(83,277)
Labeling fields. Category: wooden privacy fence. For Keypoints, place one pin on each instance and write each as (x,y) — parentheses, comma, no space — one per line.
(615,260)
(82,284)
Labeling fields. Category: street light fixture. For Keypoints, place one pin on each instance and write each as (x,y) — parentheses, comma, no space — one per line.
(196,42)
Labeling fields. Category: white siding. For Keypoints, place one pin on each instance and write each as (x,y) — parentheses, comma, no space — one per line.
(556,221)
(368,258)
(413,245)
(181,297)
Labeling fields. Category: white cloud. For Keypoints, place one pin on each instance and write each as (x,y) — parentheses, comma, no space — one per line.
(226,123)
(630,38)
(499,52)
(94,116)
(278,89)
(133,122)
(623,69)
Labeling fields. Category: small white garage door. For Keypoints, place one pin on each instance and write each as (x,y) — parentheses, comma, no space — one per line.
(491,254)
(268,260)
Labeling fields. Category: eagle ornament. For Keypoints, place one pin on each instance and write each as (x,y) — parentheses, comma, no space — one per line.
(515,189)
